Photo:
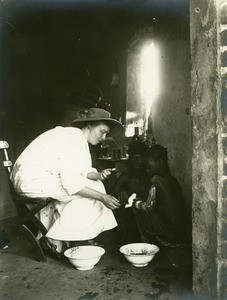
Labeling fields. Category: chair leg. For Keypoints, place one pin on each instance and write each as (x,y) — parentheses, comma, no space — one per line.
(27,232)
(30,215)
(38,224)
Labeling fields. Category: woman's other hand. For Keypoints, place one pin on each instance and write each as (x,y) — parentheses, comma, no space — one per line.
(111,202)
(100,175)
(105,174)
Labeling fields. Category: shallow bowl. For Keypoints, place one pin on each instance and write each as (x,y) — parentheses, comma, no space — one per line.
(84,257)
(139,254)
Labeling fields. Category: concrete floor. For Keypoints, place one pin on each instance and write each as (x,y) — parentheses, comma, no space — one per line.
(168,276)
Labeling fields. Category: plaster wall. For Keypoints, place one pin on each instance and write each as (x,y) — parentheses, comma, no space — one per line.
(205,84)
(171,111)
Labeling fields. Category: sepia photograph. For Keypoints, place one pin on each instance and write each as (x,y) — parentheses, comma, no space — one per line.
(113,148)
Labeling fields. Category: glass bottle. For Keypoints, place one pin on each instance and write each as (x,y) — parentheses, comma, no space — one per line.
(136,137)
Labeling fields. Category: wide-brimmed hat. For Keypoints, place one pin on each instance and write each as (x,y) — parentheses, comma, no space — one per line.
(97,114)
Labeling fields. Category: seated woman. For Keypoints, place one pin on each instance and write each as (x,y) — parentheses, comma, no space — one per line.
(162,216)
(134,180)
(58,164)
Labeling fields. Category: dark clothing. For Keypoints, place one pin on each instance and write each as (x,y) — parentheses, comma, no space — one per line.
(167,219)
(130,182)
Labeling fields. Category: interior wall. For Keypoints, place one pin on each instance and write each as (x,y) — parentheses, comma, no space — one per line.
(171,112)
(56,60)
(52,57)
(209,149)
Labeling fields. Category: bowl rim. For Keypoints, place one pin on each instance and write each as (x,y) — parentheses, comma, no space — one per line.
(85,258)
(153,252)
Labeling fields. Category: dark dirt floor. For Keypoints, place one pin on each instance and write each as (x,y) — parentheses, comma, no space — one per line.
(22,277)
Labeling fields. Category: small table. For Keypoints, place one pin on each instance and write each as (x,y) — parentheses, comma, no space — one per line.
(109,162)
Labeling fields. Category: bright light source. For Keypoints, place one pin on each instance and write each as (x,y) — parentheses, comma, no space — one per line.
(131,115)
(149,75)
(130,128)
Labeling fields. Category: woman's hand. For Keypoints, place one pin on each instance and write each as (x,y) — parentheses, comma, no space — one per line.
(105,174)
(111,202)
(100,175)
(108,200)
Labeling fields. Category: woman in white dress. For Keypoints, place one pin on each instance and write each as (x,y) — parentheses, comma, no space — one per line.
(57,164)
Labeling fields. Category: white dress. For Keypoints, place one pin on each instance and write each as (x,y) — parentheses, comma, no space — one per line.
(56,165)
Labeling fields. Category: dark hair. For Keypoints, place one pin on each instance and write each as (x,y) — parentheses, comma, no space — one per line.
(137,148)
(158,152)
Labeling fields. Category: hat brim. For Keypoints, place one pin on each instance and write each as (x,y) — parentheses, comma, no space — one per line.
(116,128)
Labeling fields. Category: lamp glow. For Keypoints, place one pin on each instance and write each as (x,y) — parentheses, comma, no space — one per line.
(149,76)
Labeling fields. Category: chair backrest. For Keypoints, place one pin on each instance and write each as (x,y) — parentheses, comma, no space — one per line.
(8,210)
(6,162)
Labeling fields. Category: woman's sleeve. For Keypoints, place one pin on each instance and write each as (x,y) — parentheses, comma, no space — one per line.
(74,166)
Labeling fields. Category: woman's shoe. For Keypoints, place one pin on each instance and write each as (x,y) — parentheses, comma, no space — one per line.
(94,243)
(50,248)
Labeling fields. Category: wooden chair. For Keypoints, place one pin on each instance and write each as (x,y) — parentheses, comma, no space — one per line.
(27,216)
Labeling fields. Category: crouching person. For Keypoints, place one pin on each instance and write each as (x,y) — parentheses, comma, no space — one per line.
(57,164)
(161,218)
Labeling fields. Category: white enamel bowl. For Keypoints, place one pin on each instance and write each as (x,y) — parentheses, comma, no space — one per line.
(139,254)
(84,257)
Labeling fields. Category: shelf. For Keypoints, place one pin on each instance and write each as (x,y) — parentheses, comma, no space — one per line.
(113,159)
